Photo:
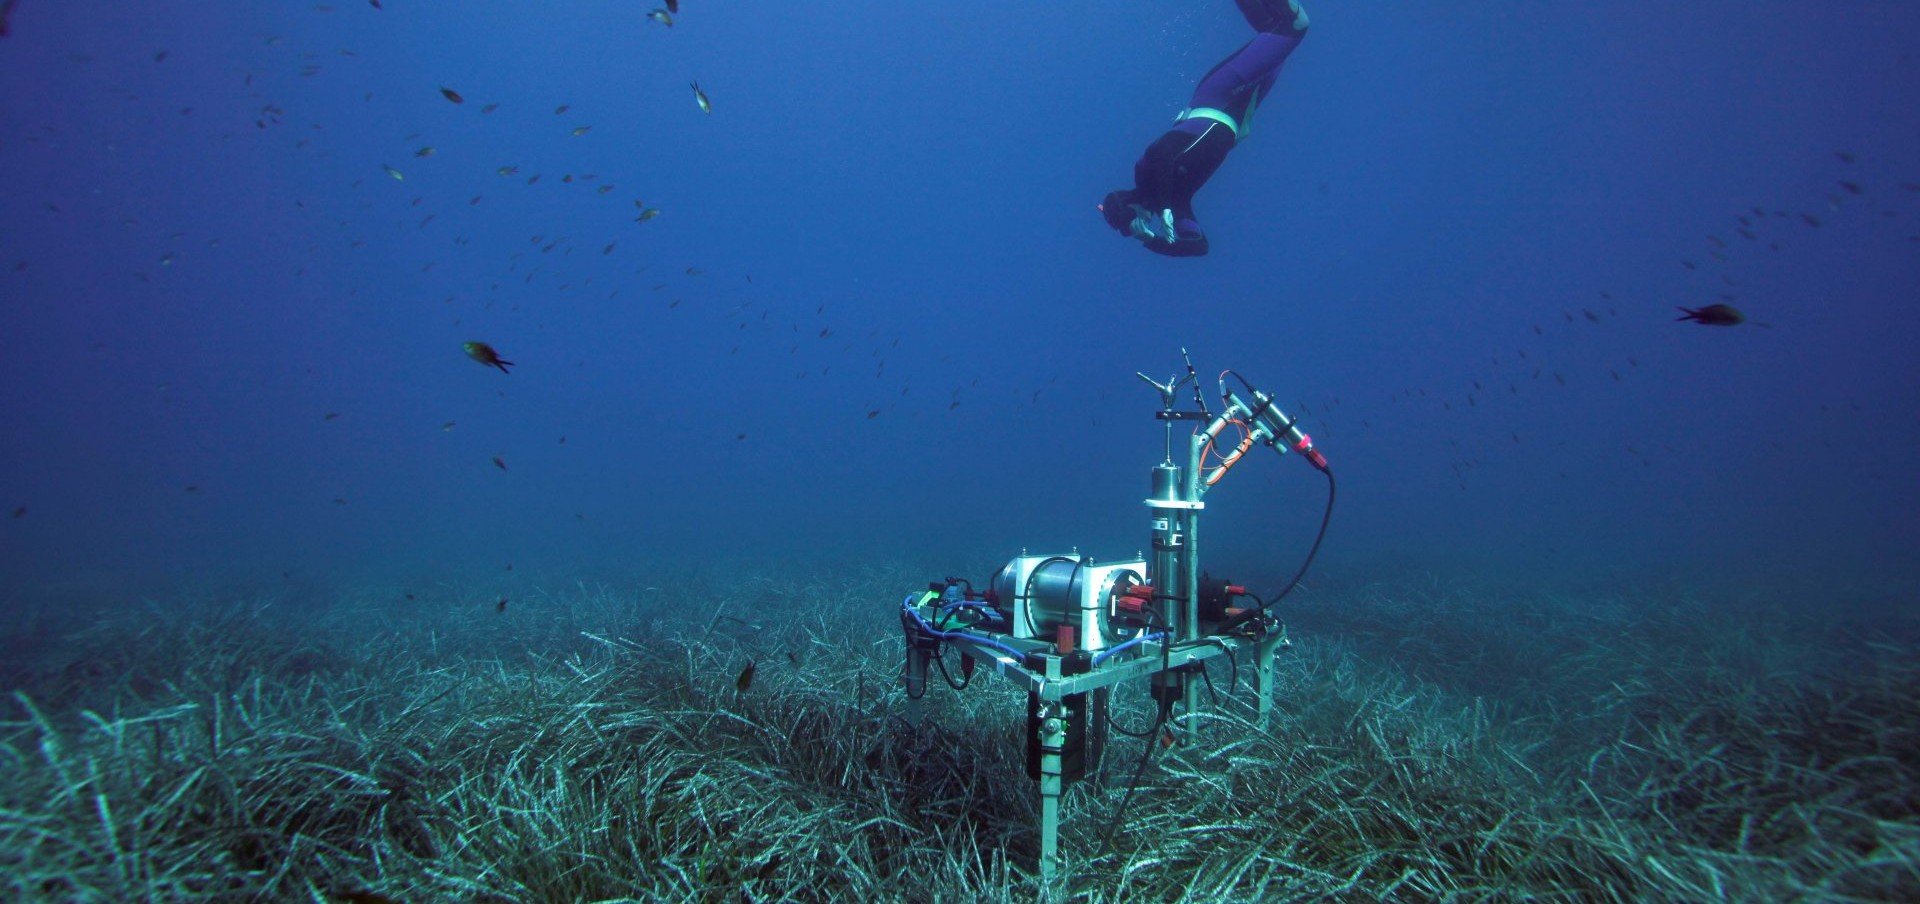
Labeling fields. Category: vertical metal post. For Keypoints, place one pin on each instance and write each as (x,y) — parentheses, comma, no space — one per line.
(1190,574)
(1053,740)
(914,676)
(1263,673)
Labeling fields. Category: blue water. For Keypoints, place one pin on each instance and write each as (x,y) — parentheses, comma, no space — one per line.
(201,259)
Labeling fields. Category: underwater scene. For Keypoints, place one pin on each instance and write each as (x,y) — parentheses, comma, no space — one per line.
(1159,451)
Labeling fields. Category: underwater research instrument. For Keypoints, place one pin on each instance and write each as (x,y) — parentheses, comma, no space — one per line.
(1069,628)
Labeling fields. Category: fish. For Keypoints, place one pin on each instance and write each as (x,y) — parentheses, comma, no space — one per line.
(424,152)
(446,427)
(700,97)
(673,6)
(1853,188)
(661,16)
(452,95)
(489,108)
(500,606)
(508,170)
(499,463)
(647,213)
(396,174)
(331,415)
(20,512)
(746,678)
(581,130)
(484,353)
(6,14)
(1713,315)
(562,109)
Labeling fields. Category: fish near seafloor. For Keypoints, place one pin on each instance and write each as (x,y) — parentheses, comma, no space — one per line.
(746,678)
(1713,315)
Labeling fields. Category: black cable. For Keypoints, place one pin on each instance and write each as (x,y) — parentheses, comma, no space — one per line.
(1322,535)
(940,660)
(1159,722)
(1116,726)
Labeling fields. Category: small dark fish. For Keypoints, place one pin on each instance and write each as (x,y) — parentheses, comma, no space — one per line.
(410,597)
(193,488)
(489,108)
(746,678)
(331,415)
(1844,156)
(1810,219)
(21,512)
(452,95)
(562,109)
(498,463)
(673,6)
(1589,315)
(500,606)
(1713,315)
(1853,188)
(376,5)
(484,353)
(6,13)
(872,414)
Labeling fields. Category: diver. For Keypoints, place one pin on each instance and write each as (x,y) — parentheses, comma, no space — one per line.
(1158,210)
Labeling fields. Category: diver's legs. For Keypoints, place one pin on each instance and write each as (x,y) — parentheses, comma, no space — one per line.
(1159,209)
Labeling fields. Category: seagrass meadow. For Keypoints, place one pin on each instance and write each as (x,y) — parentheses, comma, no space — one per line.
(539,451)
(595,742)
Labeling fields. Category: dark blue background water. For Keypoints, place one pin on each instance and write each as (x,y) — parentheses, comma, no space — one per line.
(1432,190)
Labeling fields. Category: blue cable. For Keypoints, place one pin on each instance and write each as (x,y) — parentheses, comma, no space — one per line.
(1103,654)
(907,607)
